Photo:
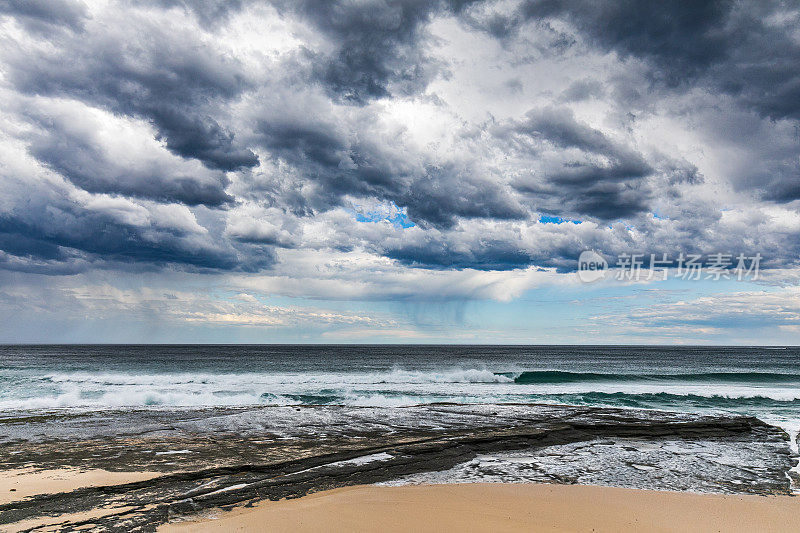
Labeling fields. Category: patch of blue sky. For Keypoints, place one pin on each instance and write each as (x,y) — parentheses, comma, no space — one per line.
(547,219)
(397,216)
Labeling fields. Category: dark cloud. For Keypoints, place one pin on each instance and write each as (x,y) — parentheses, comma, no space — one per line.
(559,128)
(331,158)
(451,191)
(679,171)
(79,156)
(148,71)
(199,137)
(439,254)
(775,180)
(379,46)
(744,49)
(592,176)
(305,143)
(65,231)
(482,247)
(42,16)
(98,240)
(784,191)
(582,90)
(360,163)
(611,201)
(681,38)
(326,115)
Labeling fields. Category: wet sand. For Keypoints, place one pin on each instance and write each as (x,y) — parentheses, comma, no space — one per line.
(505,507)
(26,482)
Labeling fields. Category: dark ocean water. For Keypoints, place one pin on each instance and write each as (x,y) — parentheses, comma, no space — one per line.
(760,381)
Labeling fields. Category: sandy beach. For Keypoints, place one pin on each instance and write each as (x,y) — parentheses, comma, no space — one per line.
(23,483)
(289,467)
(506,507)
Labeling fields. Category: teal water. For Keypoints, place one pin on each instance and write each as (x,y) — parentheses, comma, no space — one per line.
(759,381)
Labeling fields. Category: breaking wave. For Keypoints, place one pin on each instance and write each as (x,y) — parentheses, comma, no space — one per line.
(399,387)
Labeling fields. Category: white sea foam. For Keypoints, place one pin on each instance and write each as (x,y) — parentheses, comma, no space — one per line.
(174,452)
(364,459)
(455,375)
(397,387)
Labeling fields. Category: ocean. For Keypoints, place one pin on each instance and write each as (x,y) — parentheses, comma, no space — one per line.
(760,381)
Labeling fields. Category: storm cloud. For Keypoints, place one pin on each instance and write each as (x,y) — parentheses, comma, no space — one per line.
(490,136)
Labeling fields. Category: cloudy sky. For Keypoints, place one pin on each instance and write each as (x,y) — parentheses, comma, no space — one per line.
(380,171)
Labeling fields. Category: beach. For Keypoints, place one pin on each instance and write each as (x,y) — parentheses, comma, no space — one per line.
(141,470)
(128,438)
(506,507)
(439,507)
